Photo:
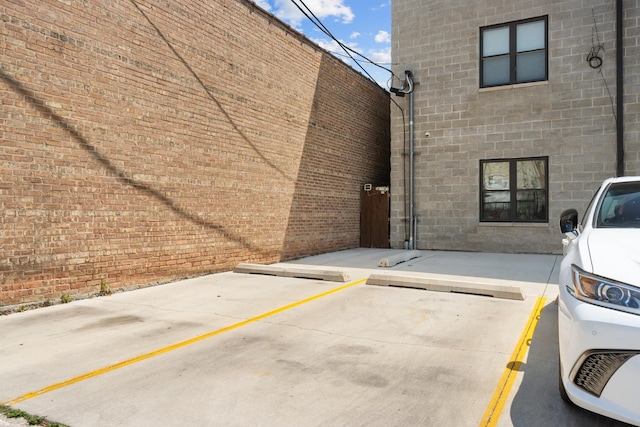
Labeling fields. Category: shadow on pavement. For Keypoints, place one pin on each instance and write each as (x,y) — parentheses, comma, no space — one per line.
(537,401)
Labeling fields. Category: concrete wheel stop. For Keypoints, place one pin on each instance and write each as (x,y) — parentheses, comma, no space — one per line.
(298,272)
(397,259)
(443,283)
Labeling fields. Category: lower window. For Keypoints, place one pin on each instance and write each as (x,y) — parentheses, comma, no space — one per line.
(514,190)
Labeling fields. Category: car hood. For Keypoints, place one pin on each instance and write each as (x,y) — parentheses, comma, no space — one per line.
(615,254)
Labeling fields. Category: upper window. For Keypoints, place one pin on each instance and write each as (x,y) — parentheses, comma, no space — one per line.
(513,53)
(514,190)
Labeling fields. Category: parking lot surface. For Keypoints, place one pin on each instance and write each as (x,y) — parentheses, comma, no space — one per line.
(234,349)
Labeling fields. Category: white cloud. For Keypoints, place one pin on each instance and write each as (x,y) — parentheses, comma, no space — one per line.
(288,11)
(330,45)
(354,35)
(333,46)
(263,4)
(383,37)
(382,5)
(381,57)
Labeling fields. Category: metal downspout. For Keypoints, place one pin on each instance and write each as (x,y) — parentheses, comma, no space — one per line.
(412,219)
(407,88)
(619,89)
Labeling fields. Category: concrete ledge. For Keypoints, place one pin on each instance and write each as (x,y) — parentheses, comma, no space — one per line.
(442,283)
(259,269)
(397,259)
(299,272)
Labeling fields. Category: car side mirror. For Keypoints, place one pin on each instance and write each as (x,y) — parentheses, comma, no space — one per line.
(569,221)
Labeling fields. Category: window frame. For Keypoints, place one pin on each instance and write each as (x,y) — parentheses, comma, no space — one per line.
(513,191)
(513,53)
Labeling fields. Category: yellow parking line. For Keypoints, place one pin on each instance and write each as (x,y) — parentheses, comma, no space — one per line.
(494,410)
(167,349)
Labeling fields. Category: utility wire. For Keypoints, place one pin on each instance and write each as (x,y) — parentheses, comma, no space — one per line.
(596,62)
(348,52)
(324,29)
(365,60)
(344,47)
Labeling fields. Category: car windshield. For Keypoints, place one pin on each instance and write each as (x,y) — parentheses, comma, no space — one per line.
(620,207)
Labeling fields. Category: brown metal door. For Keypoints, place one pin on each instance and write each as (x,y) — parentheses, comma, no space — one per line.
(374,218)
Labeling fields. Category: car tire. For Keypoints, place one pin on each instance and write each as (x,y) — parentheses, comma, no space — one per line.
(561,389)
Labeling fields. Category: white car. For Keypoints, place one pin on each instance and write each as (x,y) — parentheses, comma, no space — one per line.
(599,303)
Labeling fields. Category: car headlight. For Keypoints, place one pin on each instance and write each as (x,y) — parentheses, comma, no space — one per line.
(604,292)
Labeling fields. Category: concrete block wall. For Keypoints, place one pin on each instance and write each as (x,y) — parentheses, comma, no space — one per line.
(568,118)
(143,142)
(632,86)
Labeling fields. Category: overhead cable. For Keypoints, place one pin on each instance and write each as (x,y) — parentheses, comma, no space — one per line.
(326,31)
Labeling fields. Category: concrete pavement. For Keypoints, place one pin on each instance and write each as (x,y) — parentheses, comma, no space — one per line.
(275,350)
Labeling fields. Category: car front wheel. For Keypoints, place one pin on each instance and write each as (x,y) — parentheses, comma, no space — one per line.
(561,389)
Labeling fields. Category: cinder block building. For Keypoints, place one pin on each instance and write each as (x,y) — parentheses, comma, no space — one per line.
(512,112)
(142,142)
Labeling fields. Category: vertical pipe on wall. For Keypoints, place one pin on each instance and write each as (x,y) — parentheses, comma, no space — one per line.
(412,226)
(407,88)
(619,89)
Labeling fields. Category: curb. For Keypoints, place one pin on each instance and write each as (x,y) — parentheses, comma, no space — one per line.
(397,259)
(441,283)
(299,272)
(431,282)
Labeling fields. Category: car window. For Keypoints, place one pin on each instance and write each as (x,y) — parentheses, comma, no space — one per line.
(620,207)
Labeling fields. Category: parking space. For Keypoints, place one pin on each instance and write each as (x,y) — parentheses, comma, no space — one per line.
(237,349)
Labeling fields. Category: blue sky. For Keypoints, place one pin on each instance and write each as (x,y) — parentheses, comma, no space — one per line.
(362,25)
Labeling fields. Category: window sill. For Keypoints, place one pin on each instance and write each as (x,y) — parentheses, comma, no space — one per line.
(516,86)
(514,224)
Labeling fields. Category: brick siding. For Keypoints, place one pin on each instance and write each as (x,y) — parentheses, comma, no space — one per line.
(142,142)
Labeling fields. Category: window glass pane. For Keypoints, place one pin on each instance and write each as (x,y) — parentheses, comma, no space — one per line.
(495,71)
(495,176)
(495,41)
(530,66)
(496,206)
(496,198)
(530,36)
(531,205)
(531,174)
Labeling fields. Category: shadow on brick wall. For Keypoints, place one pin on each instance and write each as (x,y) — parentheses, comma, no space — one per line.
(49,114)
(347,145)
(213,98)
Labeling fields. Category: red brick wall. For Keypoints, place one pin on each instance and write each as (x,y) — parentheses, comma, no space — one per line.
(142,142)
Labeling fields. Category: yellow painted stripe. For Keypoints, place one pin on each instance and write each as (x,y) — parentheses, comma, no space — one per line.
(167,349)
(500,396)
